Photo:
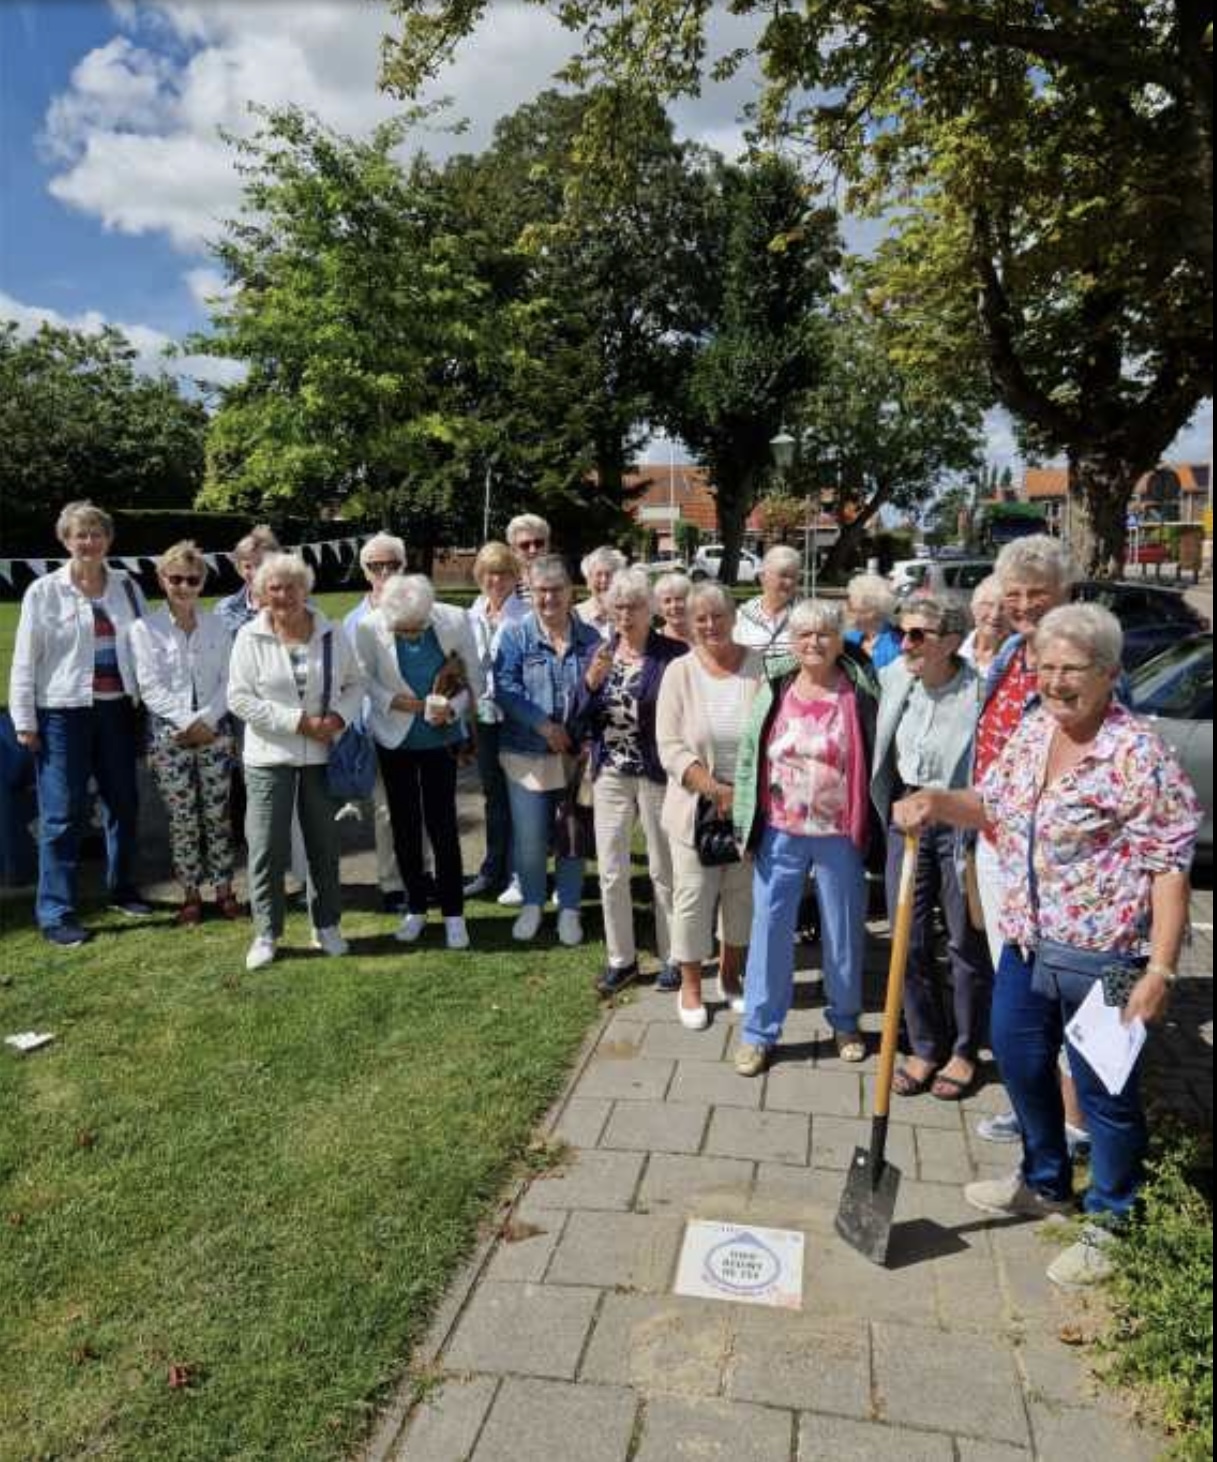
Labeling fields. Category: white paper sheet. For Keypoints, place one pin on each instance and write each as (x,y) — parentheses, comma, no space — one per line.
(29,1040)
(1110,1047)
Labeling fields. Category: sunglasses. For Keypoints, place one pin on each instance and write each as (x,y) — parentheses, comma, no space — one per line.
(178,581)
(917,636)
(383,566)
(530,542)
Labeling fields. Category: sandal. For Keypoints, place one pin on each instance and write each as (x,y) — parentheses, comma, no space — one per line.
(952,1088)
(850,1046)
(905,1084)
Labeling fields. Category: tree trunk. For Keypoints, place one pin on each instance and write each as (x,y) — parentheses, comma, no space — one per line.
(735,500)
(1100,491)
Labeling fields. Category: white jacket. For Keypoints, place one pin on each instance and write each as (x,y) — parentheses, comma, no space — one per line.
(183,678)
(262,692)
(53,654)
(376,645)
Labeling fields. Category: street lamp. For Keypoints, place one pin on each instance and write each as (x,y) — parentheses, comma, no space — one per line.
(782,448)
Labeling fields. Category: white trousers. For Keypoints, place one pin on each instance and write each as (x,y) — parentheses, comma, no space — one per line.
(618,802)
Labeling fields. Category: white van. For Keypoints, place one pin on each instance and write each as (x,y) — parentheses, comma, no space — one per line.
(708,561)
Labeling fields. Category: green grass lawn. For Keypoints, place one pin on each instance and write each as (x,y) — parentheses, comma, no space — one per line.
(265,1180)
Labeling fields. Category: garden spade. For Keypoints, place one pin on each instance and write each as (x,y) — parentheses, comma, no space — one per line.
(864,1219)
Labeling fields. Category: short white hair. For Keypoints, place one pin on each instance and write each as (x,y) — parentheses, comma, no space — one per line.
(407,599)
(871,592)
(1038,558)
(990,586)
(384,543)
(673,584)
(781,557)
(604,557)
(812,614)
(705,589)
(289,566)
(1090,627)
(527,523)
(550,568)
(629,586)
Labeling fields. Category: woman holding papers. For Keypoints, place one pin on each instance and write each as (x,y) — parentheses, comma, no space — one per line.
(1095,824)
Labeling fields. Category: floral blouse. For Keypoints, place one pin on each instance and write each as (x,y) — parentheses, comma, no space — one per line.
(1102,831)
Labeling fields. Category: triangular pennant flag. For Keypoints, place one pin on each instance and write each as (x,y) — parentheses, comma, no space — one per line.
(38,565)
(6,570)
(212,562)
(132,565)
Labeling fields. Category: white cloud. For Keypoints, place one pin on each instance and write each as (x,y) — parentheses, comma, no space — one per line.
(151,346)
(206,286)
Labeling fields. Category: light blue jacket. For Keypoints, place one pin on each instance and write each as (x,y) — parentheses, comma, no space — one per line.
(532,684)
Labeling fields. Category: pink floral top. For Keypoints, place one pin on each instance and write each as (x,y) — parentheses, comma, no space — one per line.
(1102,830)
(814,784)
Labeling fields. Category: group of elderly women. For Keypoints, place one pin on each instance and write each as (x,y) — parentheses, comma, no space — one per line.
(751,750)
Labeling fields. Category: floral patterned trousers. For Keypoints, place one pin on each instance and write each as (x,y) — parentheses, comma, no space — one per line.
(194,784)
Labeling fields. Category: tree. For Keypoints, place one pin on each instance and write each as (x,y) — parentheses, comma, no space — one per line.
(77,420)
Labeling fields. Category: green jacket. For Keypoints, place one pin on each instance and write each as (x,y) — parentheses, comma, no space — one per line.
(750,759)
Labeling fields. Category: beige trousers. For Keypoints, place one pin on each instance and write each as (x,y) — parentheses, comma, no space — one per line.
(618,802)
(696,893)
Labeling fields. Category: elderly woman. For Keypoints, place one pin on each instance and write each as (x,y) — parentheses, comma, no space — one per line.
(528,538)
(294,682)
(407,647)
(72,695)
(763,623)
(181,658)
(870,605)
(990,628)
(496,574)
(1095,826)
(598,569)
(672,605)
(802,803)
(927,720)
(616,708)
(538,667)
(704,703)
(237,609)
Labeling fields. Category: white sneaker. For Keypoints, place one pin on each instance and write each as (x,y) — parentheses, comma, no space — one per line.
(1087,1262)
(570,928)
(261,952)
(736,1003)
(512,896)
(692,1020)
(456,934)
(410,928)
(1012,1198)
(528,925)
(330,941)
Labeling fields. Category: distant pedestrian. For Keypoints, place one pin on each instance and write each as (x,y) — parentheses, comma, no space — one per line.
(763,623)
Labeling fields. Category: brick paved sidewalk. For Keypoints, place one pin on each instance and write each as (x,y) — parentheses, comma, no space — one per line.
(564,1339)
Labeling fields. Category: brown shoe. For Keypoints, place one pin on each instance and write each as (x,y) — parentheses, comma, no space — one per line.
(191,912)
(229,907)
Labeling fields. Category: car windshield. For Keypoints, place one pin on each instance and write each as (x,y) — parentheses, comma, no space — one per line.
(1178,683)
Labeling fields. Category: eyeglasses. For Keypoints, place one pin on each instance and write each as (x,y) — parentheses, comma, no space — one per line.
(383,566)
(816,634)
(178,581)
(918,636)
(526,543)
(1063,672)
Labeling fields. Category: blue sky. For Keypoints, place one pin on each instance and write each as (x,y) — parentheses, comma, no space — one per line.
(113,175)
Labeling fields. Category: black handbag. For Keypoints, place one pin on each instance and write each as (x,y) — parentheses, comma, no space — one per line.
(713,836)
(574,821)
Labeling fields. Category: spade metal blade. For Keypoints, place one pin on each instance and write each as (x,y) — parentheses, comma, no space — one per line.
(864,1219)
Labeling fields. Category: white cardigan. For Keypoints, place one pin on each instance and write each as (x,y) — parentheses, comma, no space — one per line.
(183,678)
(262,692)
(376,646)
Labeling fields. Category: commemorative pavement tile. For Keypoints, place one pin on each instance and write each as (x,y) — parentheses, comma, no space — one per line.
(446,1425)
(713,1431)
(627,1251)
(716,1085)
(764,1136)
(582,1122)
(697,1187)
(808,1089)
(660,1344)
(834,1439)
(669,1126)
(801,1360)
(924,1376)
(542,1419)
(523,1329)
(589,1180)
(625,1080)
(670,1038)
(1079,1431)
(834,1139)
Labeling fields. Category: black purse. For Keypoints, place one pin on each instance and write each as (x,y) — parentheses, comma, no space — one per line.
(574,830)
(713,836)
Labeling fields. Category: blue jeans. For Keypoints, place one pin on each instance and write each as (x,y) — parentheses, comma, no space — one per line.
(1028,1030)
(496,865)
(782,863)
(96,741)
(532,821)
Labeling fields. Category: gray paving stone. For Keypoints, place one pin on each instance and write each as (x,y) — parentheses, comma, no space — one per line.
(656,1127)
(523,1329)
(618,1251)
(628,1080)
(590,1180)
(667,1345)
(1022,1253)
(624,1035)
(833,1140)
(670,1038)
(942,1157)
(798,1360)
(523,1255)
(446,1425)
(923,1376)
(713,1431)
(783,1137)
(804,1089)
(716,1085)
(582,1121)
(799,1198)
(1059,1375)
(698,1187)
(542,1419)
(833,1439)
(970,1450)
(1078,1431)
(918,1111)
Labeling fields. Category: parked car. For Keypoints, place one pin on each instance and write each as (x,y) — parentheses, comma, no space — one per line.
(950,576)
(657,566)
(708,562)
(1152,616)
(1175,691)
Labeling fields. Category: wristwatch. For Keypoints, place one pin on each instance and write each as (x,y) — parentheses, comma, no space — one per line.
(1169,976)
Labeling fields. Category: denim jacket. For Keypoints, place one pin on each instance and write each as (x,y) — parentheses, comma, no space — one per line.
(591,712)
(533,685)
